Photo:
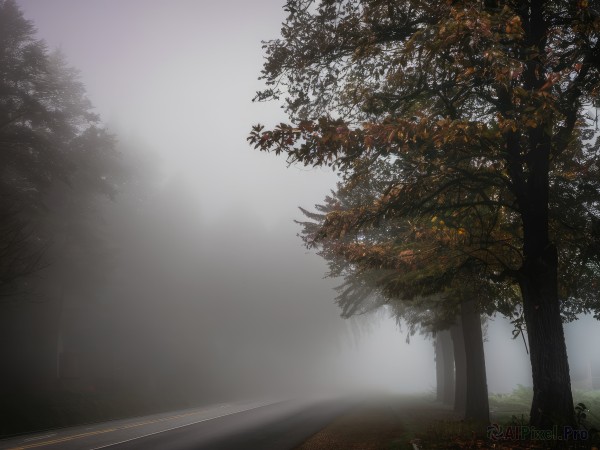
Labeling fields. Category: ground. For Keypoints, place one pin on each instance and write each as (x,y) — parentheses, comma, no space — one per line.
(391,422)
(419,423)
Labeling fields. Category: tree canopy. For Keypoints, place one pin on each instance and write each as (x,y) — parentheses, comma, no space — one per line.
(50,139)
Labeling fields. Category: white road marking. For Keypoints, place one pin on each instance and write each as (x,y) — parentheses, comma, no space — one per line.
(181,426)
(39,437)
(132,424)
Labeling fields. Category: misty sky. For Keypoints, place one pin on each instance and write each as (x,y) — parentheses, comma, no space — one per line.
(179,76)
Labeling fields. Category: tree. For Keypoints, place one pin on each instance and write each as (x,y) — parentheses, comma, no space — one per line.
(479,107)
(22,64)
(444,364)
(373,278)
(58,164)
(19,257)
(50,139)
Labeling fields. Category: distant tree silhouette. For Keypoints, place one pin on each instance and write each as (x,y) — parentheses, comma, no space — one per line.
(49,139)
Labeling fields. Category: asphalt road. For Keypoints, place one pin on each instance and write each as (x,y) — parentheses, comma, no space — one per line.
(256,425)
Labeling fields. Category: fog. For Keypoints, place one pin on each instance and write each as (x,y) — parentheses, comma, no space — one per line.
(205,290)
(201,291)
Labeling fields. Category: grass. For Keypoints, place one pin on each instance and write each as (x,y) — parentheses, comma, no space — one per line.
(505,410)
(514,407)
(591,399)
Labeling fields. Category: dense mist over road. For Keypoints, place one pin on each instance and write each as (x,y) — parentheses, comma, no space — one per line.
(186,284)
(190,285)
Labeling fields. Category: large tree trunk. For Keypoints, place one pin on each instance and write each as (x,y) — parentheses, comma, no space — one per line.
(477,405)
(460,362)
(552,398)
(439,368)
(444,364)
(449,376)
(538,279)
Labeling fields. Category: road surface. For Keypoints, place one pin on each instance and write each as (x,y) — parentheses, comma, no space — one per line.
(274,425)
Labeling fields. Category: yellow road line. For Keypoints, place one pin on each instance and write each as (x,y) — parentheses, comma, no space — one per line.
(107,430)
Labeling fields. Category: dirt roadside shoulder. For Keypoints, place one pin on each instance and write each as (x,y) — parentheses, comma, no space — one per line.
(389,422)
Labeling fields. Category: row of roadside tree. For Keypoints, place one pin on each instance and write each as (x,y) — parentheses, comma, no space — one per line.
(469,164)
